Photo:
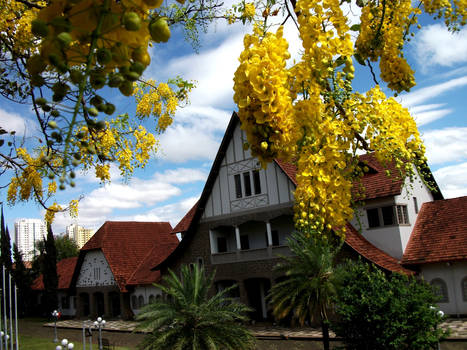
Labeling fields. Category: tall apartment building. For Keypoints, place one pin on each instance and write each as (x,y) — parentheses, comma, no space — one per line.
(27,233)
(79,234)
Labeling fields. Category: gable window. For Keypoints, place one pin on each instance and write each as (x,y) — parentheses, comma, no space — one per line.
(464,288)
(238,186)
(97,273)
(247,184)
(256,182)
(440,289)
(246,181)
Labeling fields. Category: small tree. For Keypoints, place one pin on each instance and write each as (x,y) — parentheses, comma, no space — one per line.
(190,319)
(311,281)
(66,248)
(390,312)
(5,245)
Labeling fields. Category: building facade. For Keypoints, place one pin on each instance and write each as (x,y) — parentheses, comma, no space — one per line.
(240,224)
(27,233)
(79,234)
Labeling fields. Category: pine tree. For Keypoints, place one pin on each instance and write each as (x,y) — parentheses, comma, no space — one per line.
(49,271)
(5,245)
(23,280)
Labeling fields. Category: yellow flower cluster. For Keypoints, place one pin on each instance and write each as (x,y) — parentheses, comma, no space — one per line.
(73,208)
(145,143)
(51,211)
(264,98)
(453,12)
(383,28)
(160,102)
(102,172)
(249,10)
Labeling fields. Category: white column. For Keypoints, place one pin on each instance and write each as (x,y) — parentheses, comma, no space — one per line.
(269,233)
(237,237)
(213,242)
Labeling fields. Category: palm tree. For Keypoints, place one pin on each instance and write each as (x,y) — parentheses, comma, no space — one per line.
(311,280)
(190,319)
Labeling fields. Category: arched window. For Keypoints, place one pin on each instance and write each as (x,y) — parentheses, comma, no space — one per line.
(134,302)
(440,289)
(464,288)
(151,299)
(140,301)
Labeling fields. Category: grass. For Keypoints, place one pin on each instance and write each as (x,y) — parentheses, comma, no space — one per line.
(33,343)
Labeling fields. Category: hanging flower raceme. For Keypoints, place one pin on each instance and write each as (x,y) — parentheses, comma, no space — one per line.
(264,98)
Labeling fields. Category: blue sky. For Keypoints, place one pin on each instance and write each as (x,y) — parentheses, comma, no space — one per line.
(174,179)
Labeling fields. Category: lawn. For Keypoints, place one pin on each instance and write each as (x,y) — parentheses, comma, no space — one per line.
(33,343)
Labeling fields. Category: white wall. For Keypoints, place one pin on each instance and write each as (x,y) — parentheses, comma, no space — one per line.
(451,273)
(95,259)
(276,188)
(145,291)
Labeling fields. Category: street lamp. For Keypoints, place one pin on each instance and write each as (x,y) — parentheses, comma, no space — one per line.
(440,314)
(65,345)
(99,324)
(55,315)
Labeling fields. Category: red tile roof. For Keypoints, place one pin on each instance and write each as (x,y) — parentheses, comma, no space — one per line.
(440,233)
(357,242)
(289,169)
(144,274)
(125,245)
(183,225)
(65,269)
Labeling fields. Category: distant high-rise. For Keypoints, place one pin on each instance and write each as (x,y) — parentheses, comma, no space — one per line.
(27,233)
(79,234)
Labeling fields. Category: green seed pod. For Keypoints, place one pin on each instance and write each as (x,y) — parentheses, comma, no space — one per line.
(137,67)
(131,21)
(62,187)
(104,56)
(54,113)
(72,174)
(96,100)
(41,101)
(100,125)
(93,111)
(132,76)
(76,76)
(52,124)
(109,108)
(115,79)
(65,39)
(126,88)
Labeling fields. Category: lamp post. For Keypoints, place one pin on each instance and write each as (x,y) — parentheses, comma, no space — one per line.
(440,314)
(65,345)
(99,324)
(55,315)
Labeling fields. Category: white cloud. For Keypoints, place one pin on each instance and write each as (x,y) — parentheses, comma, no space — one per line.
(210,118)
(446,145)
(182,143)
(435,45)
(429,116)
(172,213)
(427,93)
(105,202)
(15,122)
(451,180)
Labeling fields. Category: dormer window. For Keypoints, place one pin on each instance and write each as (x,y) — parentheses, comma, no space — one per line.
(247,184)
(388,216)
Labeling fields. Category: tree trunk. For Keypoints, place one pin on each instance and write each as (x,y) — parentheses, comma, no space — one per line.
(325,330)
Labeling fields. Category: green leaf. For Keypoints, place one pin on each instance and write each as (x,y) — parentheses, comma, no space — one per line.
(360,59)
(355,27)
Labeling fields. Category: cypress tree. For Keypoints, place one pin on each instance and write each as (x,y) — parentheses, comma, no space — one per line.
(49,271)
(5,245)
(23,280)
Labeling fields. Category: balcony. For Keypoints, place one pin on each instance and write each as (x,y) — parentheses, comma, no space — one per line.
(249,255)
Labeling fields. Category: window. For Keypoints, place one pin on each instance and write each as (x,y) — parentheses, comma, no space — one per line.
(244,242)
(238,186)
(388,215)
(373,217)
(97,273)
(275,237)
(256,182)
(221,244)
(140,301)
(440,289)
(246,181)
(65,303)
(151,299)
(402,214)
(415,204)
(464,288)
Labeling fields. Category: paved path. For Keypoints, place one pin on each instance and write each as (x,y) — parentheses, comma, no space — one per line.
(457,326)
